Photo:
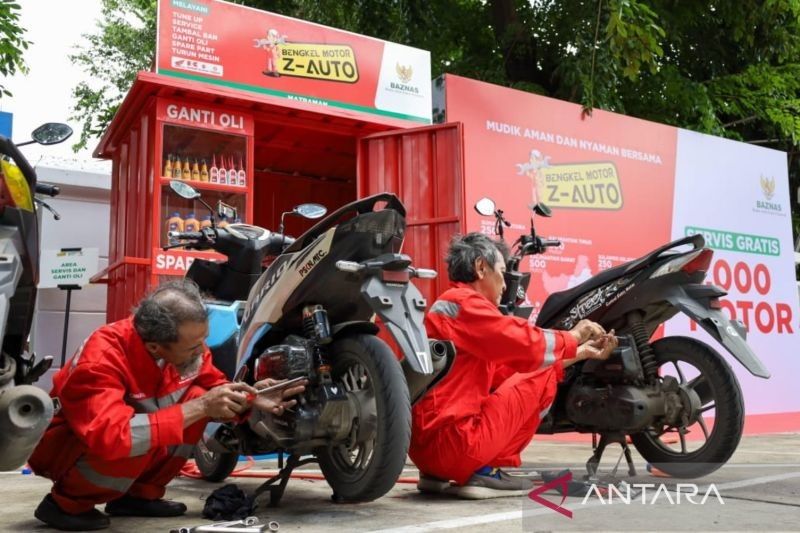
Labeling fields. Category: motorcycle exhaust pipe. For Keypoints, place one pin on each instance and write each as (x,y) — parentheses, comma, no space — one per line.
(438,350)
(443,354)
(25,413)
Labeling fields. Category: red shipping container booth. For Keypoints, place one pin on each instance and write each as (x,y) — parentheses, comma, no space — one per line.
(352,122)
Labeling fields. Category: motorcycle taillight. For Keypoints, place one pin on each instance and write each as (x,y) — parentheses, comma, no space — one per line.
(395,276)
(699,263)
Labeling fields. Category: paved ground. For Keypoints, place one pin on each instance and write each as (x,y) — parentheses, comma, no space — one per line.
(759,488)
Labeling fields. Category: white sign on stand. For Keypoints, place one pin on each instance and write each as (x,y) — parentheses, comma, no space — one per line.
(67,266)
(67,269)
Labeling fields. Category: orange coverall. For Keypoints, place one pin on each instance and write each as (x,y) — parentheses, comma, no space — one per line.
(503,381)
(120,428)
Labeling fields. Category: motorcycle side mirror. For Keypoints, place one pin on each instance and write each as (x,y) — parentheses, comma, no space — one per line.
(542,210)
(485,206)
(184,190)
(311,211)
(51,133)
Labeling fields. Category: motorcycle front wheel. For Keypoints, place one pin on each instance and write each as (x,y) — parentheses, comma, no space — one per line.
(717,420)
(368,465)
(213,466)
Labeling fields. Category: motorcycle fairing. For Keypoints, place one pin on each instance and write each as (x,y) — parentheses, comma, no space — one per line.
(222,322)
(557,302)
(401,309)
(731,334)
(10,273)
(276,285)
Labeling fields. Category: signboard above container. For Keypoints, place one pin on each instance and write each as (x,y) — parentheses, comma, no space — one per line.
(280,57)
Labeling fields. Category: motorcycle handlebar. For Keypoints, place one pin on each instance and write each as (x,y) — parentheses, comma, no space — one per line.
(185,235)
(10,149)
(278,242)
(550,243)
(47,189)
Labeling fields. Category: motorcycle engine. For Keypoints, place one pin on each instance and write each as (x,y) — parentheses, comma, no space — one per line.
(324,411)
(614,408)
(613,395)
(292,359)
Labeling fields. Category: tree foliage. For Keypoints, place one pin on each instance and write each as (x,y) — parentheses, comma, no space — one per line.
(724,67)
(12,43)
(123,44)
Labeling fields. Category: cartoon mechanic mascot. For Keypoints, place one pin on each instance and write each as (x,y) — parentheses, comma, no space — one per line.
(531,170)
(272,45)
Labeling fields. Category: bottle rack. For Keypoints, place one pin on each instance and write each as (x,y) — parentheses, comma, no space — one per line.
(198,143)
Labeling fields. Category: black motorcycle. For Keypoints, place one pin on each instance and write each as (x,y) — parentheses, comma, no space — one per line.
(310,315)
(25,410)
(654,392)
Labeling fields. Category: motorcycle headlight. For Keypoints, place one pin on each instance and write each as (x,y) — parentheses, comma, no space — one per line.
(17,185)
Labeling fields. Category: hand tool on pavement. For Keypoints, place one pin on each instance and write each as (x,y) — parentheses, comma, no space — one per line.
(250,524)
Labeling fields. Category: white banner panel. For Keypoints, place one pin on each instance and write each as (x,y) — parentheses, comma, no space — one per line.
(737,196)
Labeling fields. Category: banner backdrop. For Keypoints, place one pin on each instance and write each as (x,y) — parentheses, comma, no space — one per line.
(737,196)
(620,187)
(248,49)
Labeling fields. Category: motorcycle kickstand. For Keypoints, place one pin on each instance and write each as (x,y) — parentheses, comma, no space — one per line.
(276,485)
(605,439)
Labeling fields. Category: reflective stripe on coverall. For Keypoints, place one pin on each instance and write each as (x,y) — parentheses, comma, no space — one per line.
(120,427)
(487,409)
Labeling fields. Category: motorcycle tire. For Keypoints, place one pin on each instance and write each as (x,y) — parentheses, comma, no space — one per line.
(726,433)
(214,466)
(392,423)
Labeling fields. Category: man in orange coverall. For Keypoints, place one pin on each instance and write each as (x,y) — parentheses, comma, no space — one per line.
(486,410)
(135,398)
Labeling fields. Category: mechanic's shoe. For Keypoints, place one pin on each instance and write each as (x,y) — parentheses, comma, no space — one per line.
(51,514)
(130,506)
(432,485)
(493,484)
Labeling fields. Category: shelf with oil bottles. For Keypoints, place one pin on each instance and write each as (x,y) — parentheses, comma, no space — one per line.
(226,174)
(190,223)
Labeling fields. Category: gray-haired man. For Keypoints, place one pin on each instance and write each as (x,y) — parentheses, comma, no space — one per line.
(135,398)
(486,411)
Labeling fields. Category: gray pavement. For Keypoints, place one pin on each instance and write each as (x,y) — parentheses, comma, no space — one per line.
(759,489)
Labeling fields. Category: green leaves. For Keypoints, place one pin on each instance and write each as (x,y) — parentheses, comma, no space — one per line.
(633,36)
(12,43)
(123,45)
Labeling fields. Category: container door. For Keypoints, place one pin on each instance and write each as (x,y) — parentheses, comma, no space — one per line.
(424,167)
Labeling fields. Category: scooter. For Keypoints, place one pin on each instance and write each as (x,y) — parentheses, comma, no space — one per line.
(25,410)
(310,315)
(656,392)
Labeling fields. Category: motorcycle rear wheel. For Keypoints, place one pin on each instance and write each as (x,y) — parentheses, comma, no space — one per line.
(718,389)
(368,467)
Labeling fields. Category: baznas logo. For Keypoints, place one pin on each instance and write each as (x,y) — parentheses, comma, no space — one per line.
(404,74)
(768,187)
(768,190)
